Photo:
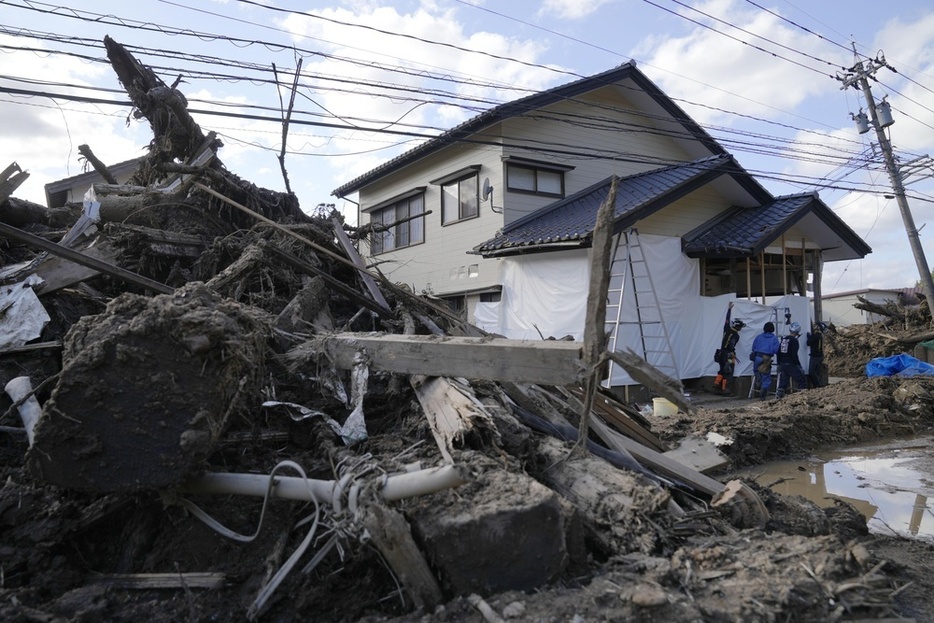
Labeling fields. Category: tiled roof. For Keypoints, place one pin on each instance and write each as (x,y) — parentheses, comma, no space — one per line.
(744,230)
(570,222)
(741,232)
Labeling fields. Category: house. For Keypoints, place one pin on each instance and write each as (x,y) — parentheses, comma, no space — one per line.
(495,216)
(838,307)
(72,189)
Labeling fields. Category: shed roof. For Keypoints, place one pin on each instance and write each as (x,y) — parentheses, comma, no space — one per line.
(745,232)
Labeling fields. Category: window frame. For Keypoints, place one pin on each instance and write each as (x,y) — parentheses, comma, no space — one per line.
(536,167)
(455,180)
(378,240)
(466,210)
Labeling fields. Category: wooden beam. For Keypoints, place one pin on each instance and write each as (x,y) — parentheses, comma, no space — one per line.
(548,362)
(303,266)
(351,252)
(595,338)
(80,258)
(163,580)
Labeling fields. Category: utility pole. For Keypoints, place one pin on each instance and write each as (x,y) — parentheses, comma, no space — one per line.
(880,117)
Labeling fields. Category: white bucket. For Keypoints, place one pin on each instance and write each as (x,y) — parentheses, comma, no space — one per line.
(663,407)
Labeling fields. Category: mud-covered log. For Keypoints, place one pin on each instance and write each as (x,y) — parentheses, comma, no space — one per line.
(613,503)
(146,390)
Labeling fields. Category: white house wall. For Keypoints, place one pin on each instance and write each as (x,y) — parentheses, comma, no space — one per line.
(647,151)
(685,214)
(441,265)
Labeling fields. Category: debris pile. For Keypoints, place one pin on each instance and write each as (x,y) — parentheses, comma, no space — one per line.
(239,420)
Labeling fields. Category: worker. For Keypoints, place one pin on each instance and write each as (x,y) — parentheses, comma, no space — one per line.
(815,342)
(726,354)
(789,366)
(764,347)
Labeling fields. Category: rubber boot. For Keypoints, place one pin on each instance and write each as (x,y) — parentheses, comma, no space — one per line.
(762,394)
(717,383)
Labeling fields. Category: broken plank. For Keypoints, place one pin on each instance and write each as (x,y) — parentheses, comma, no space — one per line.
(494,359)
(10,179)
(698,453)
(664,465)
(57,272)
(450,411)
(618,418)
(163,580)
(25,348)
(392,536)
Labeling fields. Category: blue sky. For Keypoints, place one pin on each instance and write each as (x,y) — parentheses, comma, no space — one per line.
(379,77)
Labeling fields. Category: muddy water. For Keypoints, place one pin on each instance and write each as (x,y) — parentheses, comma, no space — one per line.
(891,483)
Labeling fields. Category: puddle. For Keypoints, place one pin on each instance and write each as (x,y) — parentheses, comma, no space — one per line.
(891,484)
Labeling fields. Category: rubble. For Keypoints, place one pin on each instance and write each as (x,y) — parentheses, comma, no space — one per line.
(226,338)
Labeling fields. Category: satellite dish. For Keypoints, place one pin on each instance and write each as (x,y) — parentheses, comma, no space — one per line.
(487,189)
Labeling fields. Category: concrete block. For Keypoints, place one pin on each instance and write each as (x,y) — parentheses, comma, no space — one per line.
(508,534)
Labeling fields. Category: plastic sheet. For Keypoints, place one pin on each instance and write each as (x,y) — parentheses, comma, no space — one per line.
(898,365)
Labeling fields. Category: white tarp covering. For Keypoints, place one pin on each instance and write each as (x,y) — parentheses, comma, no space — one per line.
(22,316)
(546,296)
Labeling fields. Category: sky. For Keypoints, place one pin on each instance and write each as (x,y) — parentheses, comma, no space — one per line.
(380,77)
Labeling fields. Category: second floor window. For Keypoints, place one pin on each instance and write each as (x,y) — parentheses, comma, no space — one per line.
(535,180)
(406,231)
(460,199)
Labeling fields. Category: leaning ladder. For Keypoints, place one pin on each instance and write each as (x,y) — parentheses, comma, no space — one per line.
(631,273)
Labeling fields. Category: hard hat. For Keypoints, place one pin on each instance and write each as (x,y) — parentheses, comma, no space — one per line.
(795,328)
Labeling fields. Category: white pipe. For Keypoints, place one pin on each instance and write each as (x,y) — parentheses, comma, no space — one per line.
(394,487)
(30,410)
(411,484)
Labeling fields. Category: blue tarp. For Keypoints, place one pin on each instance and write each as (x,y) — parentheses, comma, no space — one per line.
(901,365)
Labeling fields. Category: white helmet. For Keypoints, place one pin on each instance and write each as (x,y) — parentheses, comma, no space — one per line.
(795,328)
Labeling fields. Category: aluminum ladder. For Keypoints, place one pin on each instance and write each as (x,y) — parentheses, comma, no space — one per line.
(631,274)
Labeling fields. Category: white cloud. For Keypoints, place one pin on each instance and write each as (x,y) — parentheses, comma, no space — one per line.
(403,42)
(571,9)
(726,70)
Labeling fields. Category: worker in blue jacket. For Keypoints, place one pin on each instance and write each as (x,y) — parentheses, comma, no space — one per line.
(764,348)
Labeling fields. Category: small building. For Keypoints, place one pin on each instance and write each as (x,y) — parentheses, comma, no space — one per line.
(72,189)
(839,309)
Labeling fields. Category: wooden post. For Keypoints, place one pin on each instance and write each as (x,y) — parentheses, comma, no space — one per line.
(762,274)
(784,268)
(595,323)
(818,289)
(804,271)
(748,279)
